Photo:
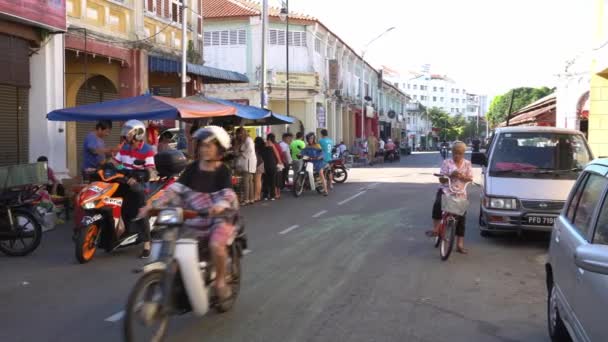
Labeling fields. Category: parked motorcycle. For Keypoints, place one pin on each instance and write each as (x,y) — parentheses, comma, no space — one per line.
(20,228)
(339,172)
(180,278)
(102,224)
(307,179)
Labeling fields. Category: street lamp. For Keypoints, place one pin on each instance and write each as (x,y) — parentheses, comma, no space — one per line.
(363,52)
(284,15)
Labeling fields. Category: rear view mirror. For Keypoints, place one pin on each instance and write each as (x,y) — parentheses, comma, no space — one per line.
(592,258)
(479,158)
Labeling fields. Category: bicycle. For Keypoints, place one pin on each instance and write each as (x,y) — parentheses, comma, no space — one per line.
(451,207)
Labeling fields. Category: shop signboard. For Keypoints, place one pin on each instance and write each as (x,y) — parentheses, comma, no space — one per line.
(297,80)
(321,116)
(48,14)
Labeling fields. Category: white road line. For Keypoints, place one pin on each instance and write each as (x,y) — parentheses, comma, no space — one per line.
(116,317)
(322,212)
(294,227)
(352,197)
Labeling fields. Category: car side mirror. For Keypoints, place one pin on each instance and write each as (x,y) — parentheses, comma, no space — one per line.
(479,158)
(592,258)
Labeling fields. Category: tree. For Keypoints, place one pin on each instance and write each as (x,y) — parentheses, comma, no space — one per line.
(451,127)
(523,97)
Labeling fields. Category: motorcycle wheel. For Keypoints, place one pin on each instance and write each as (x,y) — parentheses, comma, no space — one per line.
(298,185)
(28,234)
(86,240)
(143,308)
(233,279)
(340,174)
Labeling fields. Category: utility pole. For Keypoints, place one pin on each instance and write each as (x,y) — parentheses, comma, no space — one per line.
(184,79)
(510,106)
(264,57)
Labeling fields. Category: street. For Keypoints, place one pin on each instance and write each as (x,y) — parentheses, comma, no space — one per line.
(354,266)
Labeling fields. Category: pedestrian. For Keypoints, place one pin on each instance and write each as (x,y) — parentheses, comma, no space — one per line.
(286,154)
(246,164)
(260,145)
(54,186)
(271,161)
(460,172)
(327,145)
(94,148)
(271,140)
(372,148)
(296,147)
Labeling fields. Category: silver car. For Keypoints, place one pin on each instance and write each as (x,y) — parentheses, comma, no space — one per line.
(577,267)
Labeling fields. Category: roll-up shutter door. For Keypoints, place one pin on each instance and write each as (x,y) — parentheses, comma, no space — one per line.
(13,125)
(94,93)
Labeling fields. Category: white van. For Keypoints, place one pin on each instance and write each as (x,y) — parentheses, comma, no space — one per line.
(527,175)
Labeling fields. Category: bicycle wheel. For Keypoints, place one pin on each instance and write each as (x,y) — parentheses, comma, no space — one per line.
(447,239)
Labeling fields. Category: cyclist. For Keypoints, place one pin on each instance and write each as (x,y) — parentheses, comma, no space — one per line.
(207,184)
(135,149)
(460,172)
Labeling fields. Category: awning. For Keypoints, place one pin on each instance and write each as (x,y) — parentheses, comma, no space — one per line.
(210,75)
(246,115)
(532,116)
(143,107)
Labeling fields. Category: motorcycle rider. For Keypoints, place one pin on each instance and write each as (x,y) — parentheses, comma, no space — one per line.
(327,145)
(315,153)
(444,149)
(207,184)
(135,149)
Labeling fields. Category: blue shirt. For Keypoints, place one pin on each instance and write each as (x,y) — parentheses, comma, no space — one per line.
(313,152)
(327,145)
(90,159)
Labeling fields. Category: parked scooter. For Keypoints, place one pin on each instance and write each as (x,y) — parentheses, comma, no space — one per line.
(102,224)
(180,278)
(20,226)
(307,179)
(339,172)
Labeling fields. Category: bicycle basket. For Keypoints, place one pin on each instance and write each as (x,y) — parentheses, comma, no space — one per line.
(454,205)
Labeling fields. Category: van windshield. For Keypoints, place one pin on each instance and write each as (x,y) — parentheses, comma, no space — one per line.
(542,155)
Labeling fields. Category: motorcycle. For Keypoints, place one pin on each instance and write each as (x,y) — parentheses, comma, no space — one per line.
(444,152)
(181,277)
(307,179)
(20,227)
(392,156)
(339,172)
(102,224)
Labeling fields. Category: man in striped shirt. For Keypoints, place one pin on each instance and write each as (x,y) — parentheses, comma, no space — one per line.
(135,155)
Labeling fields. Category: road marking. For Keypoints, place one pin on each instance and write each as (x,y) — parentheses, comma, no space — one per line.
(352,197)
(116,317)
(319,213)
(294,227)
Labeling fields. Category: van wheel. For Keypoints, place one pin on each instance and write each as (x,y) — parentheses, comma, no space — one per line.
(557,328)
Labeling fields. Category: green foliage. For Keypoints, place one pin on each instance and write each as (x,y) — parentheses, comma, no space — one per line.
(523,97)
(193,55)
(451,127)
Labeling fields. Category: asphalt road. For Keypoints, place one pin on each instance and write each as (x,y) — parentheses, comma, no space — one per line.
(354,266)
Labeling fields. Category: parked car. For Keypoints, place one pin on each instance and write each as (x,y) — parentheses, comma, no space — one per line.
(527,175)
(577,266)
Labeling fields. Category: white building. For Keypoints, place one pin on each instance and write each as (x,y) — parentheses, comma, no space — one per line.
(435,91)
(324,70)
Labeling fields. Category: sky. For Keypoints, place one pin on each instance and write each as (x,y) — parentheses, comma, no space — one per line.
(488,46)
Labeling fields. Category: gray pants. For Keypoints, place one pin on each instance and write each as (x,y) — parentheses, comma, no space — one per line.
(248,187)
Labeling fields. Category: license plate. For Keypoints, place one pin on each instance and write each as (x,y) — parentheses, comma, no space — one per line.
(541,220)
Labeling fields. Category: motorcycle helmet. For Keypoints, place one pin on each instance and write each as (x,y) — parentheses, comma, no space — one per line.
(133,130)
(213,133)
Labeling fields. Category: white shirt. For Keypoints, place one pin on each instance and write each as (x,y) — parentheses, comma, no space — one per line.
(286,151)
(381,144)
(247,155)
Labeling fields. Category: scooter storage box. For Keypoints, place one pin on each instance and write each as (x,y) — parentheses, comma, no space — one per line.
(170,163)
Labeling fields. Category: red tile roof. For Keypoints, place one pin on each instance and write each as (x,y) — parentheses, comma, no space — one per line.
(242,8)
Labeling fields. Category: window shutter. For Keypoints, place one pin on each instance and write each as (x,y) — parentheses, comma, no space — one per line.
(242,37)
(207,39)
(225,37)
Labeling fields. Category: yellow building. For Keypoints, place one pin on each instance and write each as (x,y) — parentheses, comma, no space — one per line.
(598,111)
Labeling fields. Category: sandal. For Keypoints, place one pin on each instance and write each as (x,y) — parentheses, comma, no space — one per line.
(462,250)
(224,293)
(431,233)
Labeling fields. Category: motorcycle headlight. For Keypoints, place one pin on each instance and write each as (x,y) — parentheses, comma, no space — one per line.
(170,217)
(89,205)
(500,203)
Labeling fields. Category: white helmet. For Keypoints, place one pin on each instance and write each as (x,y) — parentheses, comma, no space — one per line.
(133,129)
(211,133)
